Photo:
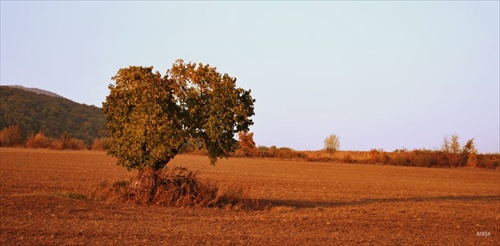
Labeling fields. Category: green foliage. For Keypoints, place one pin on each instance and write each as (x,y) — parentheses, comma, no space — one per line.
(212,108)
(143,119)
(71,195)
(151,118)
(53,116)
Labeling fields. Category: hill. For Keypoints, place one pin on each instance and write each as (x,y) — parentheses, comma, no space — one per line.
(36,90)
(37,110)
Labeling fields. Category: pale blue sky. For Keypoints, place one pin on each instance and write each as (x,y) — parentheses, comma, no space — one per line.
(379,74)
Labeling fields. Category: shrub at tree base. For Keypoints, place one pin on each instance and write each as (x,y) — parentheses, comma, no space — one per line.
(174,188)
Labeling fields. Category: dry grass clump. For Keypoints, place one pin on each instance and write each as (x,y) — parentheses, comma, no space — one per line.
(71,195)
(174,188)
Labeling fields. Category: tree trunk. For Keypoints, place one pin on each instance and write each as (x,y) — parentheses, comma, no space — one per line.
(146,185)
(154,185)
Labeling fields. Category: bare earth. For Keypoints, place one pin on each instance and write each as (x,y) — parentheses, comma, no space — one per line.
(313,204)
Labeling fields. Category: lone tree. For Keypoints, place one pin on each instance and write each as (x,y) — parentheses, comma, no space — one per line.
(469,154)
(151,118)
(332,143)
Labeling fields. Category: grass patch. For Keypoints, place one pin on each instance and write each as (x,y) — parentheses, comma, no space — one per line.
(71,195)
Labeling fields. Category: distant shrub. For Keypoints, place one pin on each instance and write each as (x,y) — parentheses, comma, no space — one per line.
(38,141)
(267,152)
(65,142)
(272,151)
(11,136)
(263,151)
(374,156)
(378,157)
(318,158)
(472,160)
(385,158)
(246,145)
(57,145)
(441,159)
(451,155)
(101,144)
(332,143)
(490,161)
(68,143)
(347,158)
(422,158)
(238,153)
(401,157)
(75,144)
(301,155)
(284,153)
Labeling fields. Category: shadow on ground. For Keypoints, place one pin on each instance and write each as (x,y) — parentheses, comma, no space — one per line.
(313,204)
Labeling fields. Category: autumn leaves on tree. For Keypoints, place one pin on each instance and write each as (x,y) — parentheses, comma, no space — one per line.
(151,118)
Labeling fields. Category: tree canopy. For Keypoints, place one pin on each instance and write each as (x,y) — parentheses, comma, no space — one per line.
(332,143)
(150,118)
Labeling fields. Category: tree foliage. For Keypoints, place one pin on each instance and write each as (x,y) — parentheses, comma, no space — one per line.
(212,108)
(451,144)
(11,136)
(332,143)
(38,141)
(247,145)
(150,118)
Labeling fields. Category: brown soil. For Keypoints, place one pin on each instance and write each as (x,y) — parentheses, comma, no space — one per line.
(312,204)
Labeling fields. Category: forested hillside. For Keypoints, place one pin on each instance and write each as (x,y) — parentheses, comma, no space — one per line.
(51,115)
(36,90)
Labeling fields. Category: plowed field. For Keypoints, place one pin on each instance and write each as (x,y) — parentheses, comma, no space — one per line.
(312,204)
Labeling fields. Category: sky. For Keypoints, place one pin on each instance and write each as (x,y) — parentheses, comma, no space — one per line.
(378,74)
